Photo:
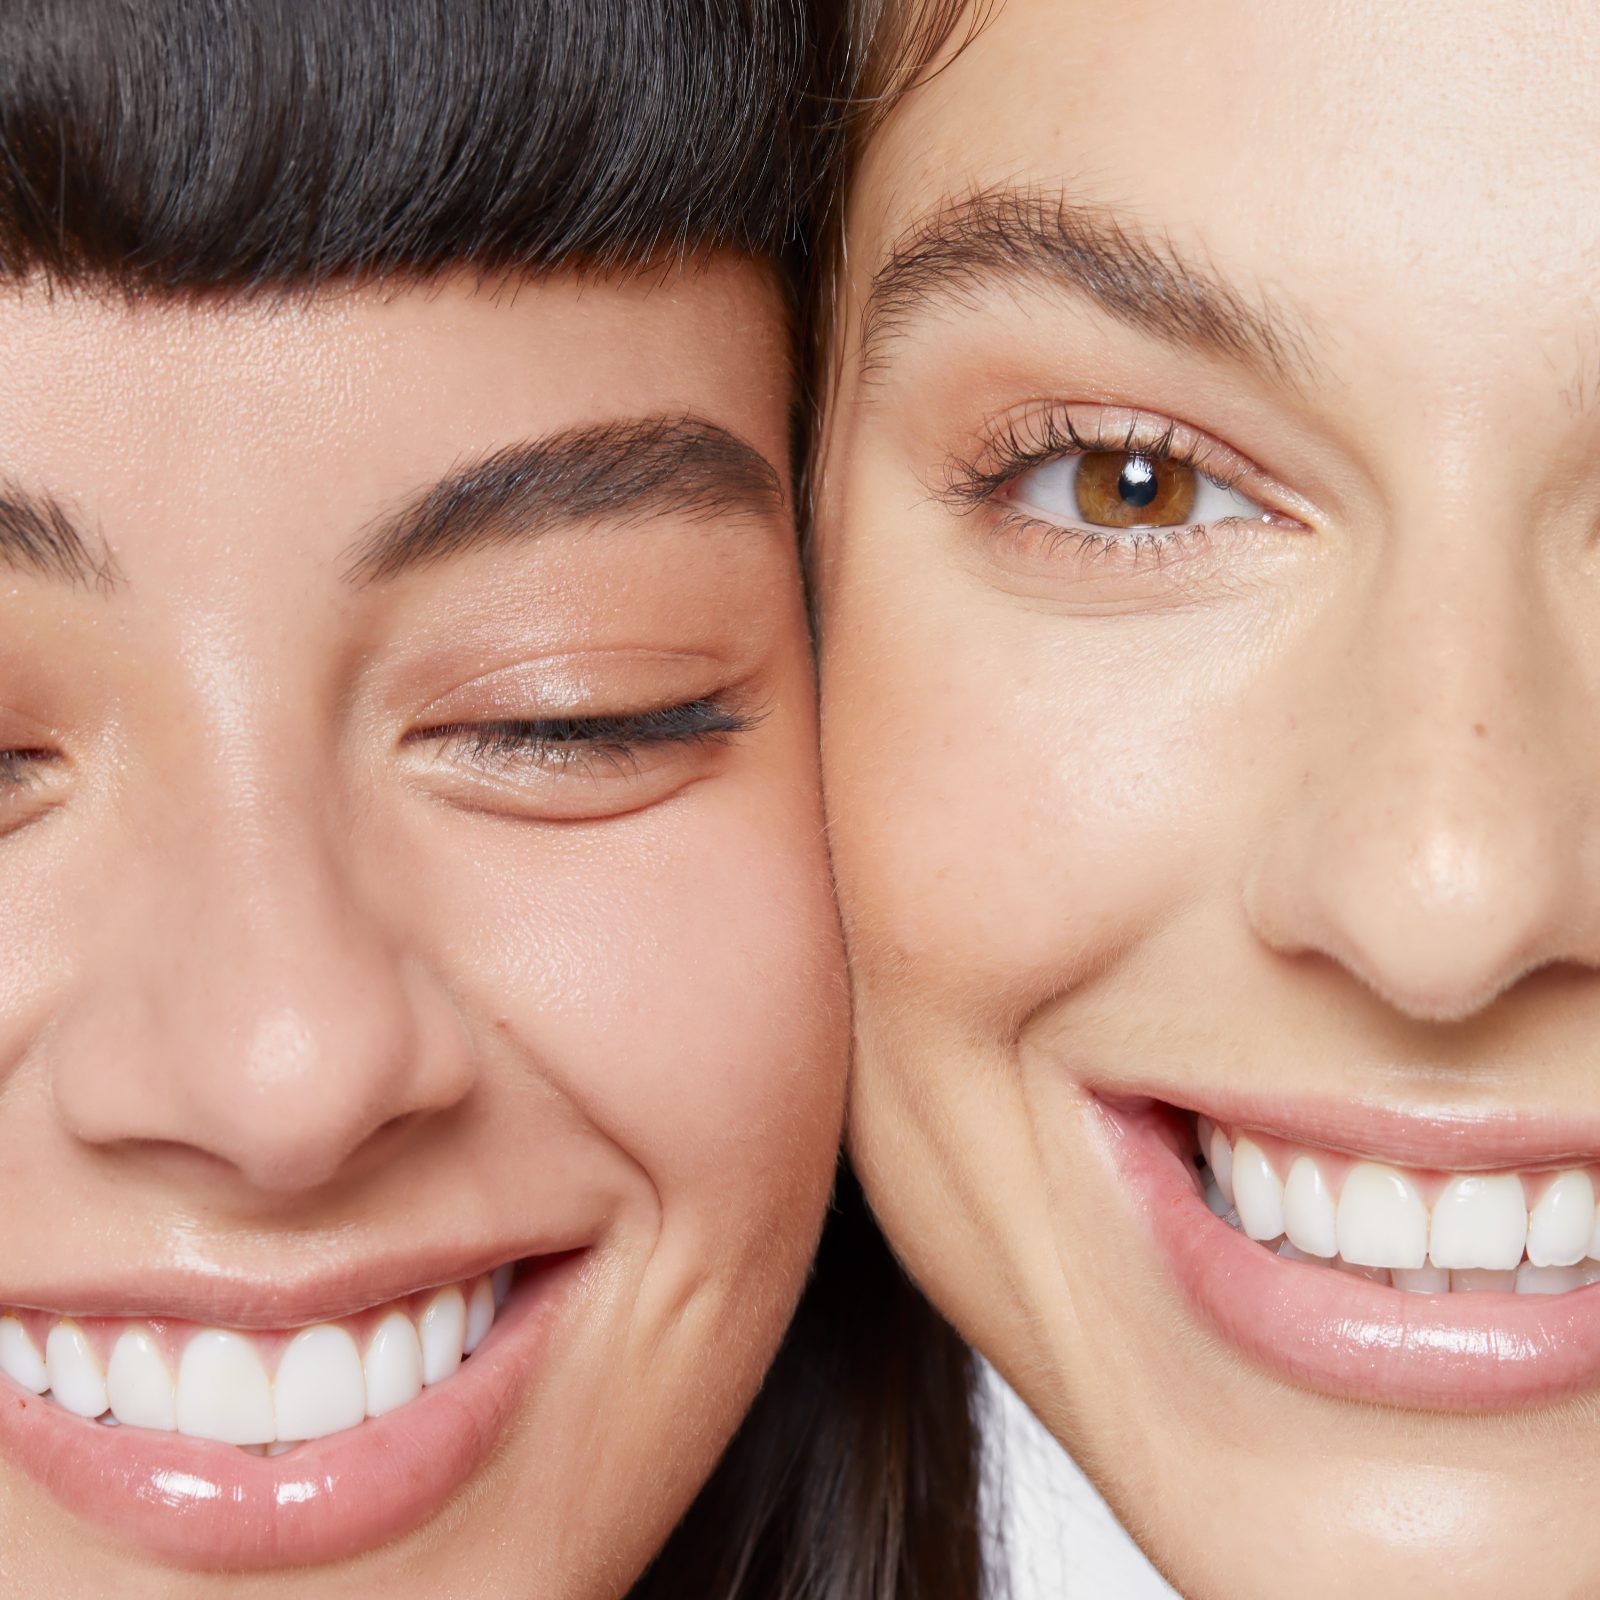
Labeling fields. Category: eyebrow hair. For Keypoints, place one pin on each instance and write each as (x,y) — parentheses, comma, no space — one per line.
(38,535)
(615,471)
(1090,249)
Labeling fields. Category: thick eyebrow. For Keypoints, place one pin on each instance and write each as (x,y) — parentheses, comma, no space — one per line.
(615,472)
(1087,249)
(38,535)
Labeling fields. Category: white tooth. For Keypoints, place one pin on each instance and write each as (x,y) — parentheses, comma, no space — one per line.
(1479,1221)
(1382,1221)
(1371,1274)
(283,1446)
(1309,1215)
(1532,1279)
(1256,1191)
(138,1384)
(1471,1280)
(223,1392)
(1220,1154)
(393,1365)
(320,1387)
(1422,1280)
(480,1315)
(1589,1270)
(1594,1238)
(1216,1201)
(1292,1252)
(76,1380)
(500,1284)
(1560,1225)
(19,1357)
(442,1332)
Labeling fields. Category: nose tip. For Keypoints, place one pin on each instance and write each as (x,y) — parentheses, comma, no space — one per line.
(1436,920)
(277,1040)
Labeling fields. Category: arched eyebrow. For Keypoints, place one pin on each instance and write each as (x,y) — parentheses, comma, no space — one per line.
(1008,233)
(622,471)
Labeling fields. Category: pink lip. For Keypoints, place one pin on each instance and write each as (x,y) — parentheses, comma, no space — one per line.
(207,1505)
(1462,1140)
(1339,1333)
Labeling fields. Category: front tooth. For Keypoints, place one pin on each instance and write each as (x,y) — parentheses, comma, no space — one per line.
(320,1387)
(442,1332)
(1561,1223)
(393,1365)
(138,1384)
(1480,1222)
(1422,1280)
(223,1392)
(1532,1279)
(1382,1221)
(19,1357)
(1220,1154)
(76,1380)
(480,1315)
(1309,1216)
(1467,1280)
(1216,1201)
(1256,1191)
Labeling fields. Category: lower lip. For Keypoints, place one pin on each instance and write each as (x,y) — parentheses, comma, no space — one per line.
(1339,1333)
(197,1503)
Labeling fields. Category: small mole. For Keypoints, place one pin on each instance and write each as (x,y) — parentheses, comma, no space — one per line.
(1479,729)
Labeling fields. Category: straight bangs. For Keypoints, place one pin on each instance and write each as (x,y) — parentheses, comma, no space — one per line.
(173,145)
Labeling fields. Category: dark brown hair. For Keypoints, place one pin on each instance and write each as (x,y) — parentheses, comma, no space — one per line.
(188,147)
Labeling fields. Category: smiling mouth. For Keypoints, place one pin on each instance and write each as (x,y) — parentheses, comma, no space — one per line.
(1432,1271)
(266,1391)
(1427,1232)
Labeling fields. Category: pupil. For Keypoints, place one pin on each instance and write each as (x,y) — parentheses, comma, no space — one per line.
(1137,485)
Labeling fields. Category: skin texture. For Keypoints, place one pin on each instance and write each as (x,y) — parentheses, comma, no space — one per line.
(282,994)
(1307,808)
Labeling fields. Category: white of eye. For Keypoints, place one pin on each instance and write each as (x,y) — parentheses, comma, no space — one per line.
(1050,490)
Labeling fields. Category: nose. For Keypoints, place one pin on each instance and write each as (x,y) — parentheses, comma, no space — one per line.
(1436,831)
(248,996)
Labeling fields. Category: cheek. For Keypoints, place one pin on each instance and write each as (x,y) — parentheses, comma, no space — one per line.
(1011,803)
(676,977)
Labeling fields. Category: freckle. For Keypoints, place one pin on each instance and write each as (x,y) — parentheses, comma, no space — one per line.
(1479,729)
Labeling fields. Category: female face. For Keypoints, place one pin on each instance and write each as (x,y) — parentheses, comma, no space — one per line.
(417,938)
(1211,694)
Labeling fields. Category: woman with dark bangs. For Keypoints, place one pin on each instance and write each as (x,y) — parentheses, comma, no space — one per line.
(421,1016)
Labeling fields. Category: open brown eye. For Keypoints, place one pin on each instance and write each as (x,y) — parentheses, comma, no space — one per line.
(1122,489)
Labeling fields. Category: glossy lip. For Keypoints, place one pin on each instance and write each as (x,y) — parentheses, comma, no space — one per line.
(1339,1333)
(201,1504)
(1464,1139)
(268,1298)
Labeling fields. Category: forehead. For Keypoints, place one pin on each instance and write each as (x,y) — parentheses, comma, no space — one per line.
(1429,152)
(354,390)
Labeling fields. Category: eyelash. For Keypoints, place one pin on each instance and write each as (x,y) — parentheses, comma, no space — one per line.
(1035,439)
(564,743)
(19,769)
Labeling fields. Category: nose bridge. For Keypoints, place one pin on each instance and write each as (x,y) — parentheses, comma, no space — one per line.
(257,1003)
(1436,835)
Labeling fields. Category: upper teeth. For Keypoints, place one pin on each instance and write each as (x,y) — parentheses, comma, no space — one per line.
(323,1381)
(1367,1214)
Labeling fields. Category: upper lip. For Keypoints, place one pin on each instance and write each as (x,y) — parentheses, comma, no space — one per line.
(1440,1137)
(322,1292)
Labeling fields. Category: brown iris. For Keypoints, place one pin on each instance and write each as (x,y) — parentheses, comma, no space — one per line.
(1123,489)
